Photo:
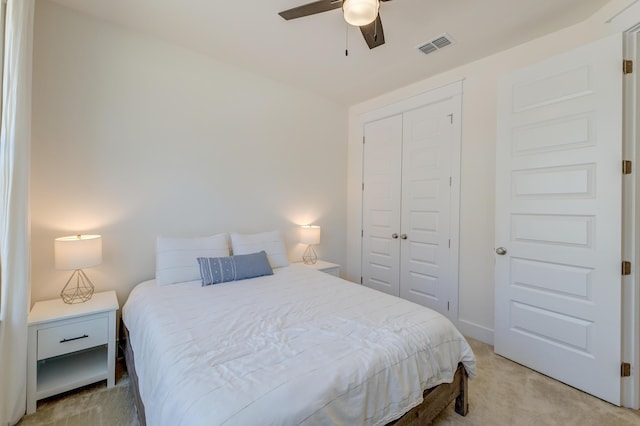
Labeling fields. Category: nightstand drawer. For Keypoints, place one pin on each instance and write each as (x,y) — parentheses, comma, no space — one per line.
(72,337)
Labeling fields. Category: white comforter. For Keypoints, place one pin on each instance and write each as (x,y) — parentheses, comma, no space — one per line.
(298,347)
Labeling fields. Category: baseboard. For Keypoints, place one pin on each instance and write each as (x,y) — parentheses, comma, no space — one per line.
(476,331)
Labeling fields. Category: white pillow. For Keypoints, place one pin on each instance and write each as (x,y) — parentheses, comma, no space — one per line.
(271,242)
(177,258)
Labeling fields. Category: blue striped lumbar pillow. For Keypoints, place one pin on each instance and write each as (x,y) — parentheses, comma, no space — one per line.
(215,270)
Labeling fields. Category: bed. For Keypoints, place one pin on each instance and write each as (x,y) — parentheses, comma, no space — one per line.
(296,347)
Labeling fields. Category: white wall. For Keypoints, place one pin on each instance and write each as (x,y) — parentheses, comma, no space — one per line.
(476,295)
(134,137)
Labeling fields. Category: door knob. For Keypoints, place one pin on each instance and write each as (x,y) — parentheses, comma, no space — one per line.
(394,236)
(501,251)
(403,236)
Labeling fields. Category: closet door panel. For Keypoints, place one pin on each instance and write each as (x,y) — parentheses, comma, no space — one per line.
(426,205)
(381,202)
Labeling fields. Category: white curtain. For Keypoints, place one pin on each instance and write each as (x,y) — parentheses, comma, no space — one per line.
(15,136)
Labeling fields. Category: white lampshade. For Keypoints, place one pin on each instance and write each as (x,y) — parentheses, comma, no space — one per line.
(310,234)
(360,12)
(78,252)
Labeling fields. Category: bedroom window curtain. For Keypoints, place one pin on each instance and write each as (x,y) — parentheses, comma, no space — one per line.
(15,136)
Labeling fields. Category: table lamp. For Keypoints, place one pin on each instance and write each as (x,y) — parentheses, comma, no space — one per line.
(77,253)
(310,235)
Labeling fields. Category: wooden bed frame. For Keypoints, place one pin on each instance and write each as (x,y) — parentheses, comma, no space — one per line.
(436,399)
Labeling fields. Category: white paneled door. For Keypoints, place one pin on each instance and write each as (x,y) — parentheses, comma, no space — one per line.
(558,218)
(426,201)
(406,236)
(381,205)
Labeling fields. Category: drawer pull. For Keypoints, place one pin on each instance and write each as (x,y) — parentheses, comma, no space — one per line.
(74,338)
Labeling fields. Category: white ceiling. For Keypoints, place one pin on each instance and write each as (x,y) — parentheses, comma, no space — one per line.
(309,52)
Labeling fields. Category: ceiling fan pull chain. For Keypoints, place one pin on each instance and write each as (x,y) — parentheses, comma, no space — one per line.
(375,30)
(346,40)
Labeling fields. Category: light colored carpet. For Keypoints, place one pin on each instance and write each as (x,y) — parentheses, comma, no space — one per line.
(506,393)
(503,393)
(93,405)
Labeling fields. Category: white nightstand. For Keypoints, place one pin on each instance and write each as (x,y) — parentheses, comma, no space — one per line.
(328,267)
(70,346)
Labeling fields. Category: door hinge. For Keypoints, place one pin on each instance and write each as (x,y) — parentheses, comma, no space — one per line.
(625,369)
(362,233)
(363,186)
(450,180)
(451,118)
(360,280)
(626,267)
(363,140)
(448,306)
(627,66)
(627,167)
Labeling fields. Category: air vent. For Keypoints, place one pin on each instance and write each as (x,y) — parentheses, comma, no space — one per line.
(437,43)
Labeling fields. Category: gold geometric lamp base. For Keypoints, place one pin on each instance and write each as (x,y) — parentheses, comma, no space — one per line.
(309,257)
(78,289)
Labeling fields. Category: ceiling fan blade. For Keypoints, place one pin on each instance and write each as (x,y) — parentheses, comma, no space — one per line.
(373,33)
(311,9)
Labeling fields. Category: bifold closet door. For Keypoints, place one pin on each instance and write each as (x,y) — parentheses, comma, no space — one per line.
(425,252)
(381,204)
(407,204)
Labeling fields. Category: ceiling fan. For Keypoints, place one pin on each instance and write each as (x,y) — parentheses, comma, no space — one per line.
(360,13)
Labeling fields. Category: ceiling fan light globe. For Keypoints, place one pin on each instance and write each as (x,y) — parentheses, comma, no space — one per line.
(360,12)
